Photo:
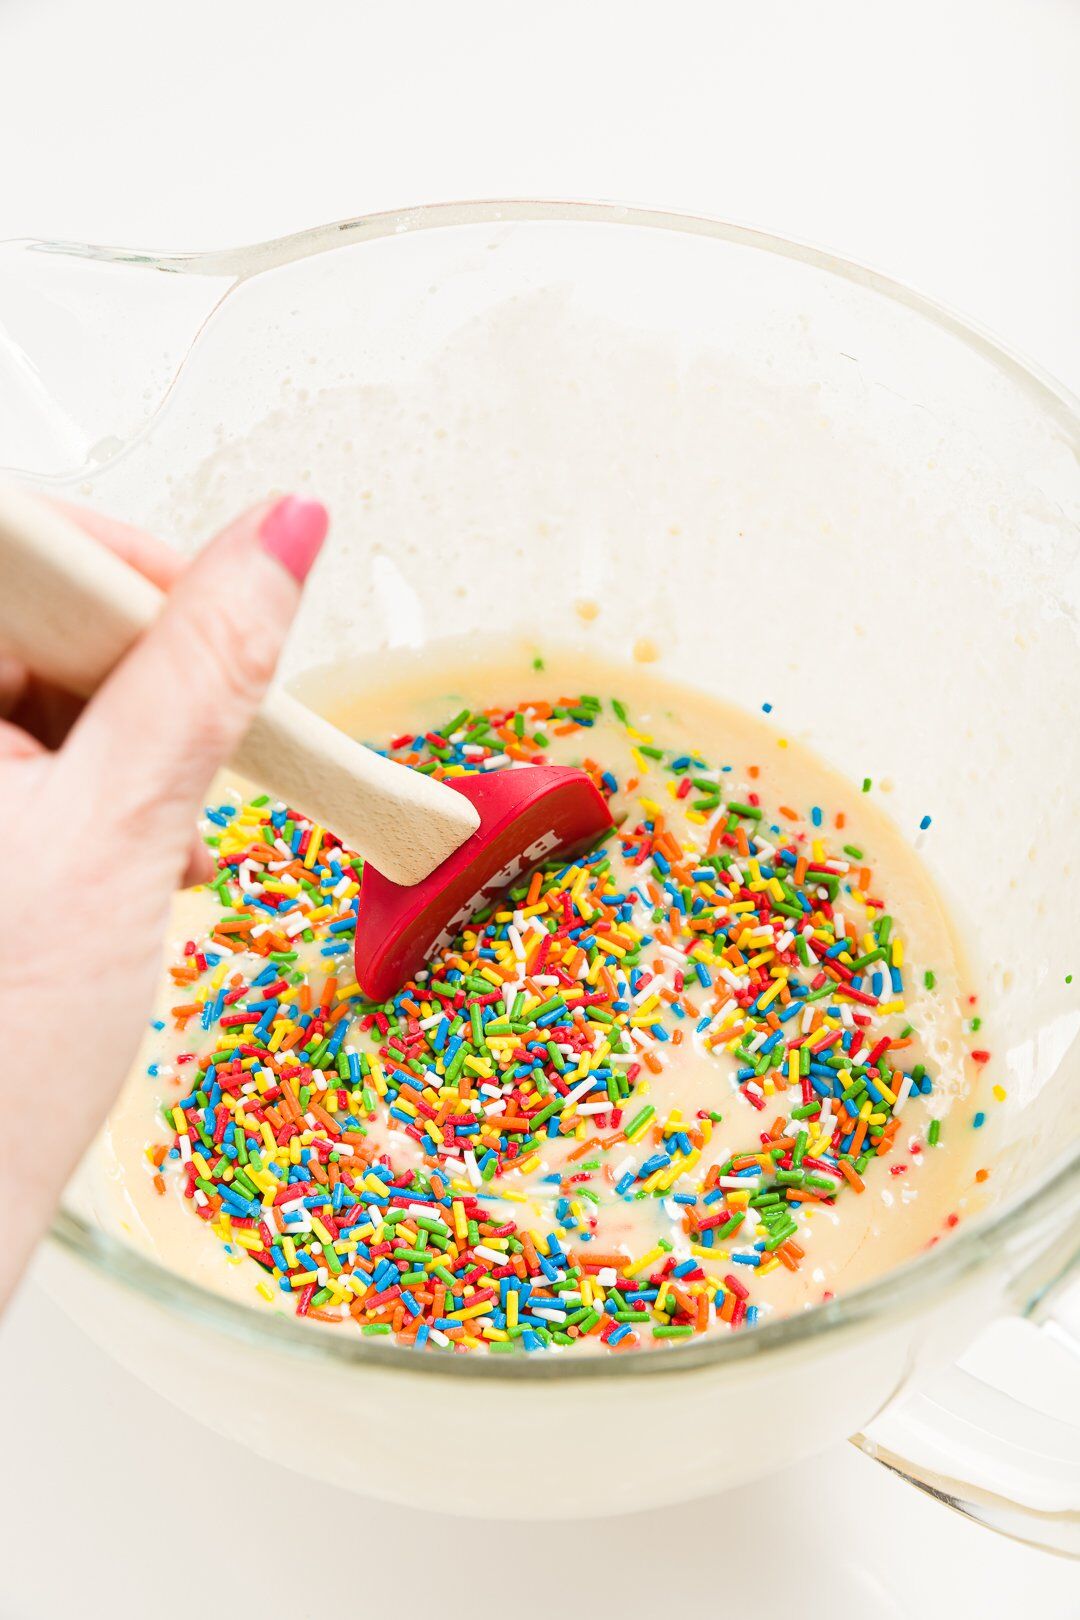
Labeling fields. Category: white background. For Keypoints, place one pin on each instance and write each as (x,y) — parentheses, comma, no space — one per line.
(935,140)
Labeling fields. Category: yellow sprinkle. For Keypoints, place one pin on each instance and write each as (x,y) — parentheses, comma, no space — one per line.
(772,992)
(644,1262)
(470,1311)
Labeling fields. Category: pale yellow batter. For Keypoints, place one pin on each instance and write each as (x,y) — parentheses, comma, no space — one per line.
(909,1196)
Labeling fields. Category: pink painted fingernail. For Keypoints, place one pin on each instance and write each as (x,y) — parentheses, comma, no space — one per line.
(293,531)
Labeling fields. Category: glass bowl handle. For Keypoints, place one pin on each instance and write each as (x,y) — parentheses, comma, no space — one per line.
(986,1452)
(92,341)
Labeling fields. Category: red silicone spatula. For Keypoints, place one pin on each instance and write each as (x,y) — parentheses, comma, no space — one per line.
(434,853)
(528,814)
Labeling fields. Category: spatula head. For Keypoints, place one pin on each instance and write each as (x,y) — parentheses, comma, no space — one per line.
(527,815)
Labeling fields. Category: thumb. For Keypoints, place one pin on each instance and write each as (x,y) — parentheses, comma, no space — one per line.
(179,702)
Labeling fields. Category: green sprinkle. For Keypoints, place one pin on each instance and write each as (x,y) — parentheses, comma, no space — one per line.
(640,1119)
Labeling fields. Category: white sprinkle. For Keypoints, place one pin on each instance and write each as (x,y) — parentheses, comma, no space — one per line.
(579,1091)
(493,1255)
(721,1018)
(651,989)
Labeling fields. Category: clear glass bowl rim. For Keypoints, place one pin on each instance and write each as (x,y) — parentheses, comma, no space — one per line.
(891,1296)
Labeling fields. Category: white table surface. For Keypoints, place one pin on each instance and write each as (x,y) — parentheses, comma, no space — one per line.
(936,140)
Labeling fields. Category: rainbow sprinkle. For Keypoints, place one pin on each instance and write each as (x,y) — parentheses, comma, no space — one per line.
(516,1071)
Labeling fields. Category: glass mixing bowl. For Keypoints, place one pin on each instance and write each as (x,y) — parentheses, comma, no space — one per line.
(509,407)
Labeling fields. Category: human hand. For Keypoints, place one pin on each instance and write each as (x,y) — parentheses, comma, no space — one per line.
(97,812)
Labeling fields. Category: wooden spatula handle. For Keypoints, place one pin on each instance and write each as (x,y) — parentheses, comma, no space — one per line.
(71,609)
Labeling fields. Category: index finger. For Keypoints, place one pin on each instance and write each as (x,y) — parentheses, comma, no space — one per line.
(153,558)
